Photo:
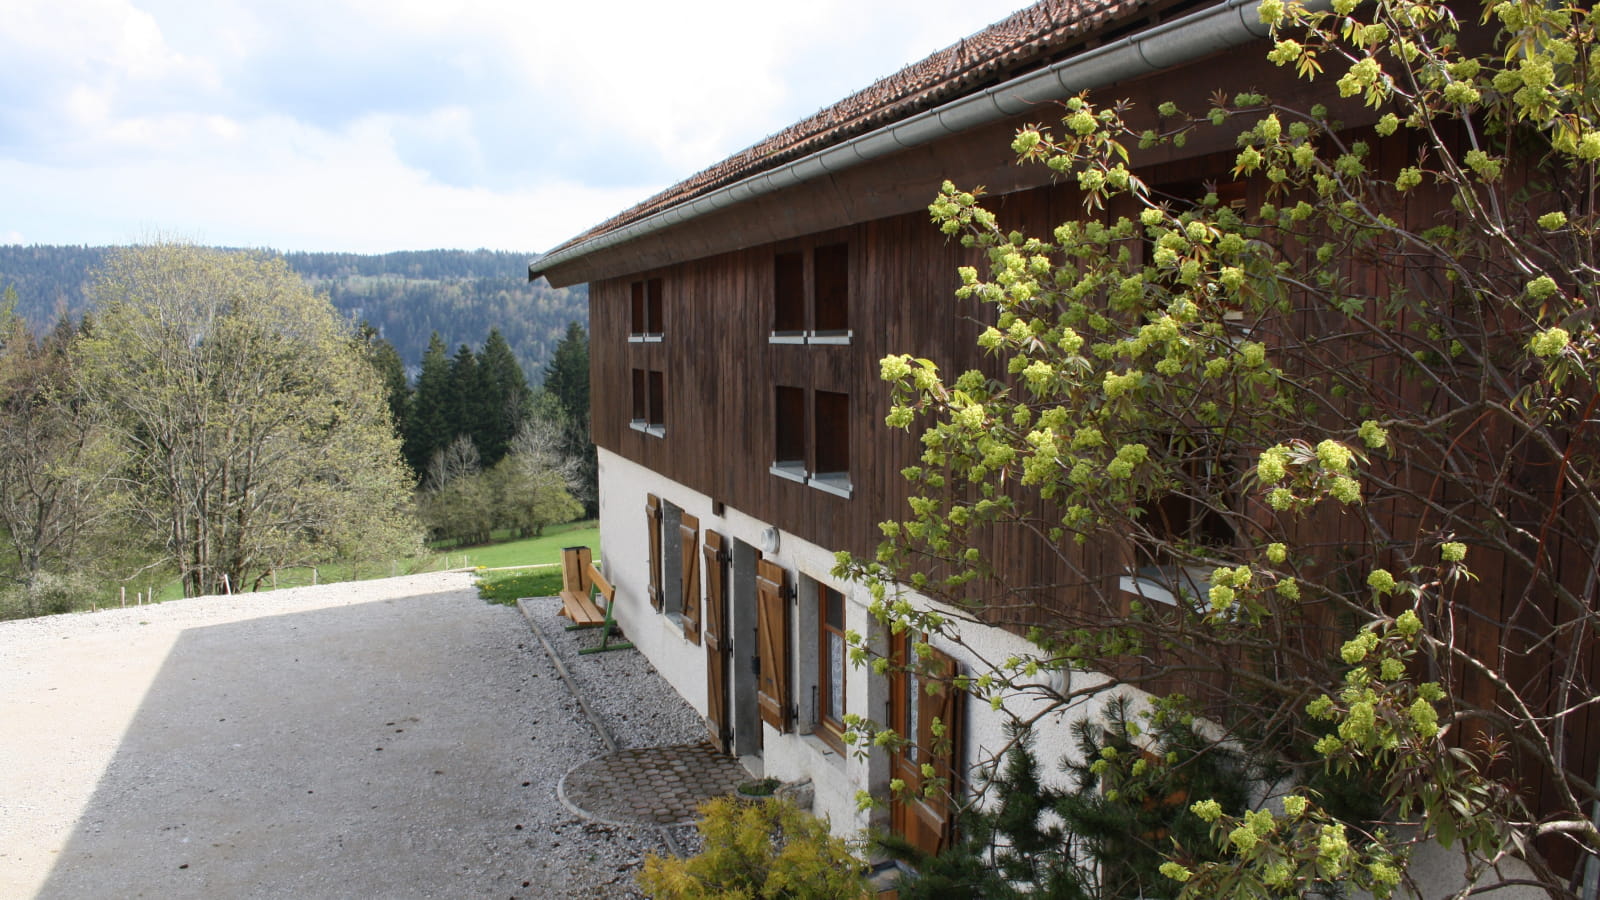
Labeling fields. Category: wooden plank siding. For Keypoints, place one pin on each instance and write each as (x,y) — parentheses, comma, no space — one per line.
(720,370)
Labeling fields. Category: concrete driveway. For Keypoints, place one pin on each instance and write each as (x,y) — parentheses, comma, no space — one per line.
(396,738)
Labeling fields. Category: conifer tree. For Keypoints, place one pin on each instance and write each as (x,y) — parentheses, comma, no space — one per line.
(507,398)
(566,384)
(386,359)
(467,408)
(428,425)
(567,376)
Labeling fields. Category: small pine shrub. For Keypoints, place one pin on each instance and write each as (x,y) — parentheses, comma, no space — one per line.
(1105,837)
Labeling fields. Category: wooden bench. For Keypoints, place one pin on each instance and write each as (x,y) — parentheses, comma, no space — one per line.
(575,589)
(588,599)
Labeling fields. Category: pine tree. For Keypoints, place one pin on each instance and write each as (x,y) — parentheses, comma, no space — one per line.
(467,409)
(428,424)
(392,371)
(566,385)
(507,399)
(567,375)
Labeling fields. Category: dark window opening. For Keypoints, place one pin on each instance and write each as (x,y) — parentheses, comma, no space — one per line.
(811,295)
(833,432)
(831,277)
(658,400)
(789,294)
(649,402)
(641,399)
(789,419)
(1184,522)
(811,444)
(645,309)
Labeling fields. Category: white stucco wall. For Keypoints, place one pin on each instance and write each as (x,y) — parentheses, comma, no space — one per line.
(793,757)
(836,777)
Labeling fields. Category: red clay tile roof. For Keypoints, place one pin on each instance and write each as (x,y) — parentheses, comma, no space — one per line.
(1022,40)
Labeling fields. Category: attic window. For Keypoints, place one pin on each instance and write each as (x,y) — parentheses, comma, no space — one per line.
(649,403)
(789,295)
(833,443)
(645,312)
(811,296)
(1183,196)
(831,276)
(1183,523)
(789,433)
(811,441)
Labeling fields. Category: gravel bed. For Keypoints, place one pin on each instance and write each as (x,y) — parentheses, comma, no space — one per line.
(633,702)
(396,738)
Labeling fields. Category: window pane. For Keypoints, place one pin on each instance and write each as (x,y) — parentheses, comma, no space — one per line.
(636,320)
(835,704)
(908,728)
(833,608)
(641,400)
(788,294)
(831,268)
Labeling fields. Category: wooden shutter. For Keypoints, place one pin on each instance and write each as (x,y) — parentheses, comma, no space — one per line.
(924,817)
(688,540)
(716,629)
(772,643)
(652,512)
(941,703)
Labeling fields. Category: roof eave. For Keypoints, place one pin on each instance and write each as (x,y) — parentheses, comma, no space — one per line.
(1229,24)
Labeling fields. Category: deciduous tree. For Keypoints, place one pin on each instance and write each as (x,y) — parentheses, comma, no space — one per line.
(56,499)
(254,430)
(1314,445)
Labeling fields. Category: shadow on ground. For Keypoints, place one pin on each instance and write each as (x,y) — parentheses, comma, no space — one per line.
(377,749)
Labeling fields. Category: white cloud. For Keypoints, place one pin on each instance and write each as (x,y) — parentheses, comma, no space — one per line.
(390,124)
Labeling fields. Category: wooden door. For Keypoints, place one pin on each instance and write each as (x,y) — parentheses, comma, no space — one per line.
(923,812)
(689,555)
(716,630)
(652,513)
(772,643)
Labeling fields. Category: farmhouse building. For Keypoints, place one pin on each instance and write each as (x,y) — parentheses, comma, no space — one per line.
(737,324)
(737,321)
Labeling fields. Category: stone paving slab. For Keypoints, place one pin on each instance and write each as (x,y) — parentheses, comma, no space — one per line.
(651,785)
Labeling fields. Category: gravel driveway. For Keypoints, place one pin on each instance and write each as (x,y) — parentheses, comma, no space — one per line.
(392,738)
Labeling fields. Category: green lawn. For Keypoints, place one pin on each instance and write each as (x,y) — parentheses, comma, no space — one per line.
(539,551)
(505,587)
(530,551)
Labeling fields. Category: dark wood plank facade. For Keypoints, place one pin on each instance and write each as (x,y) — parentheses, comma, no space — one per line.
(720,369)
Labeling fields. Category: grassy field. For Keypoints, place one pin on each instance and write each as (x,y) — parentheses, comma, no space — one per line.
(507,585)
(533,551)
(539,551)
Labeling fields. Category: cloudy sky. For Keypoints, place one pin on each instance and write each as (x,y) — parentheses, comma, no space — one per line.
(377,125)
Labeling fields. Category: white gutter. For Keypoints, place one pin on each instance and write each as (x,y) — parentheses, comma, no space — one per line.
(1230,24)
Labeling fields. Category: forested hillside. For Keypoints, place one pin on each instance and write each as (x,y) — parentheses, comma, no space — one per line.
(461,294)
